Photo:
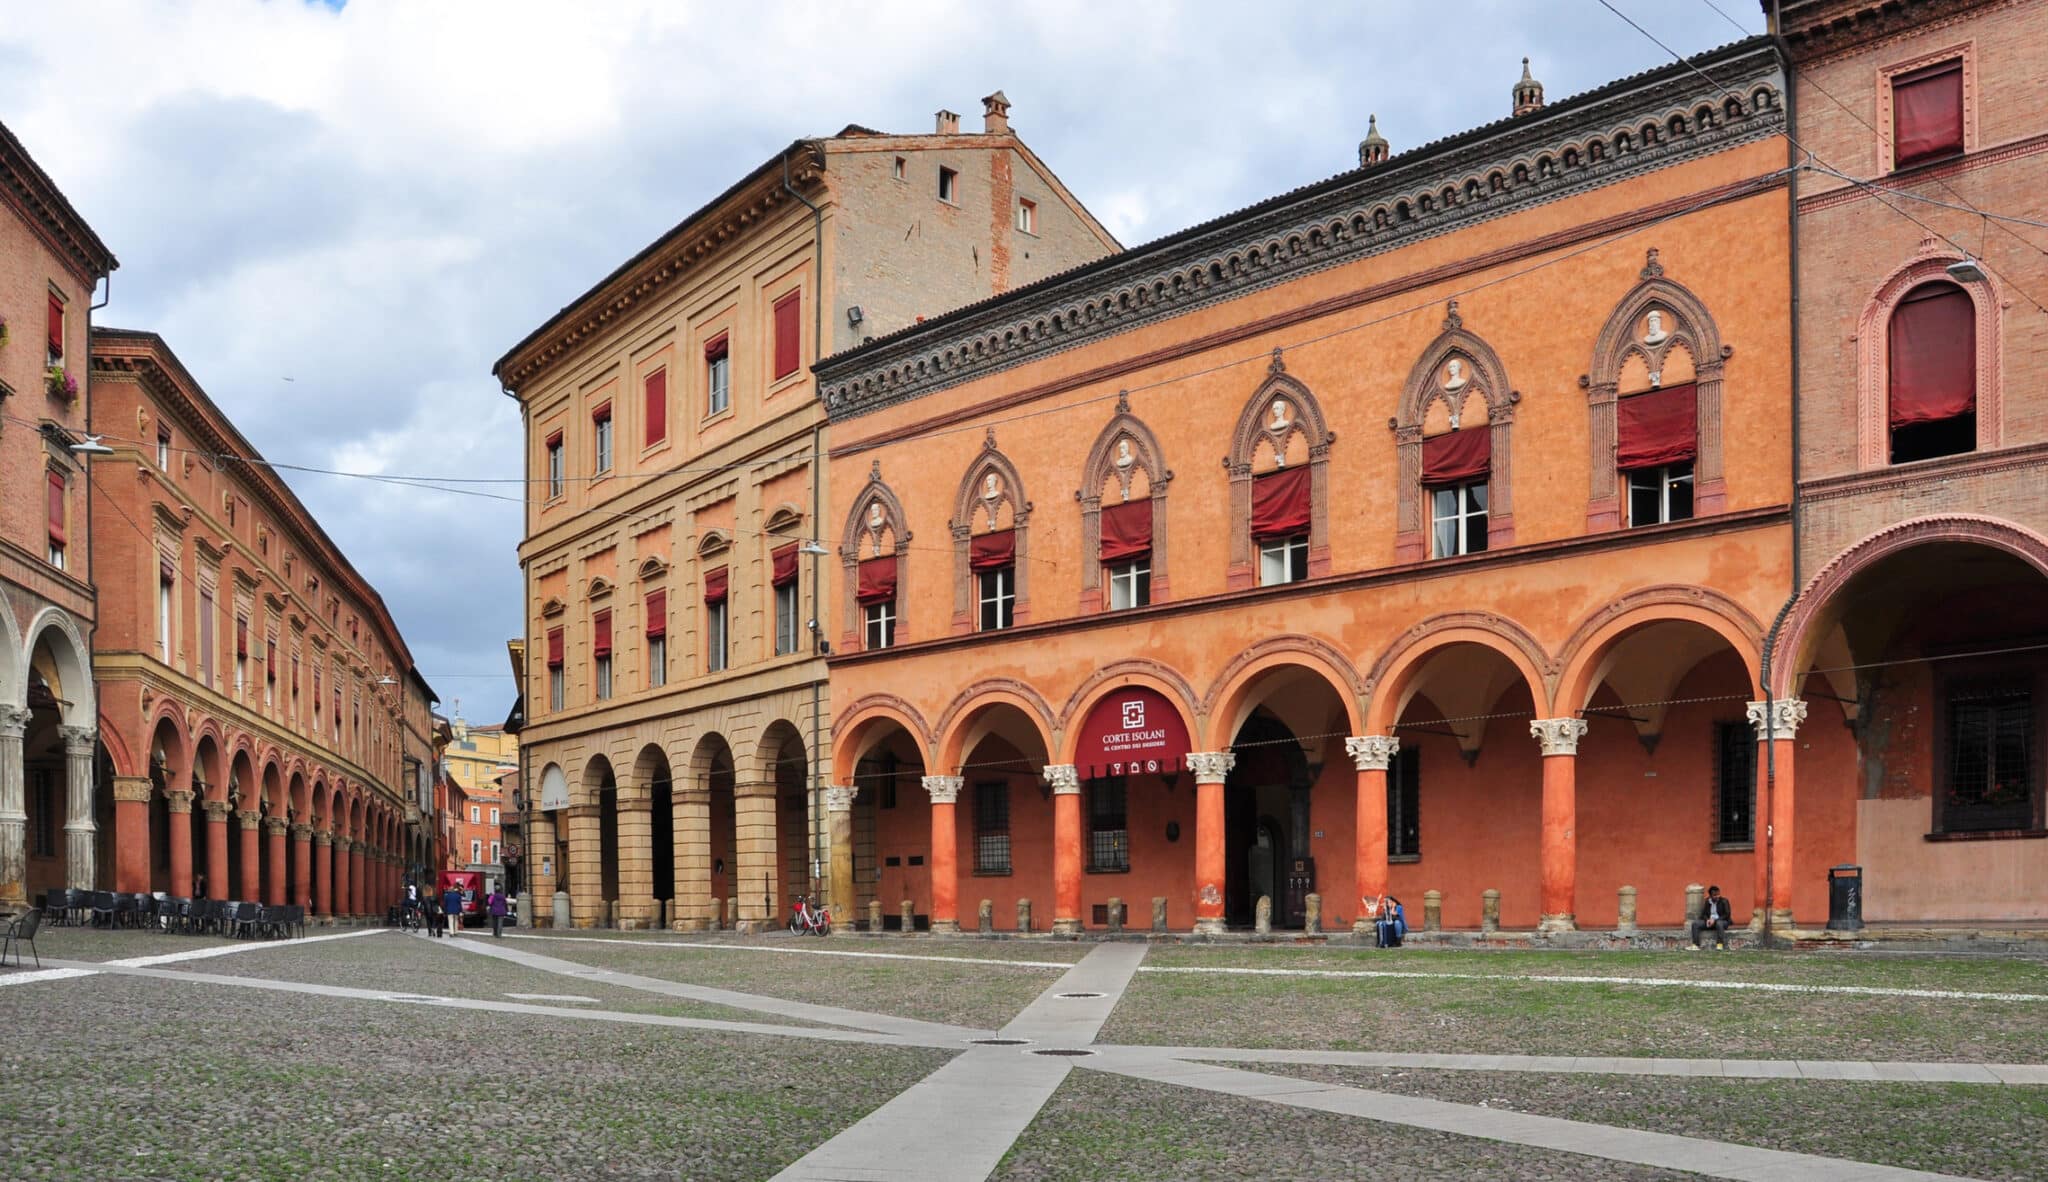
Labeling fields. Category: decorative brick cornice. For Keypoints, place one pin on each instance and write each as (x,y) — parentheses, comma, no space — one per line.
(1815,30)
(1571,147)
(36,198)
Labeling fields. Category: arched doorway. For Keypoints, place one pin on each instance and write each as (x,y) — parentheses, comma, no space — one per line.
(1003,819)
(887,822)
(60,795)
(711,769)
(651,776)
(588,883)
(787,766)
(212,873)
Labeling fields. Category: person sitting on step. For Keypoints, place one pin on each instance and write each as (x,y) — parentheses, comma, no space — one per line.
(1715,917)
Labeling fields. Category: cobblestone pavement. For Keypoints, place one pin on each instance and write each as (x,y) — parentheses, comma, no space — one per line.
(328,1060)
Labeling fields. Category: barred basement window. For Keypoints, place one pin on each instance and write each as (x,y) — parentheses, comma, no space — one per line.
(1109,835)
(992,827)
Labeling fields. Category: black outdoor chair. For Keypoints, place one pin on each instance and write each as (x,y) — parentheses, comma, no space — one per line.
(123,914)
(173,913)
(102,907)
(57,903)
(145,910)
(298,918)
(22,929)
(245,919)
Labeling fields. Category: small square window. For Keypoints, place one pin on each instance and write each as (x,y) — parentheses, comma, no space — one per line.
(1027,215)
(998,598)
(1130,583)
(949,184)
(1281,560)
(1660,495)
(899,168)
(1458,519)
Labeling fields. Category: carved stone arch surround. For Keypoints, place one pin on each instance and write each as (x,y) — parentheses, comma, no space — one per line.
(1100,468)
(966,506)
(1695,331)
(1873,352)
(858,540)
(1254,434)
(1490,378)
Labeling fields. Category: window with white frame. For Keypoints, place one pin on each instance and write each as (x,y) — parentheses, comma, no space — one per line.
(881,623)
(476,850)
(1027,215)
(475,814)
(1457,519)
(494,815)
(1661,494)
(554,446)
(497,852)
(1130,583)
(949,184)
(998,597)
(165,612)
(601,427)
(785,617)
(717,376)
(1283,560)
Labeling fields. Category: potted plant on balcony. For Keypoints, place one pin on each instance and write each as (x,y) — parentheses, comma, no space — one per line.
(62,385)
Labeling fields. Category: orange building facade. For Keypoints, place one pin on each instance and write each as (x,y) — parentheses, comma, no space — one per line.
(1415,531)
(263,731)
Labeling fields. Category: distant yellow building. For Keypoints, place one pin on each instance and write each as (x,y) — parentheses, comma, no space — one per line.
(477,757)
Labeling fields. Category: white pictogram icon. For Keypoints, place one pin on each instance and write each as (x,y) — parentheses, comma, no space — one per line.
(1134,716)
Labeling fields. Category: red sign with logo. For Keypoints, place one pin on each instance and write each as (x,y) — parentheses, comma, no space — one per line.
(1134,731)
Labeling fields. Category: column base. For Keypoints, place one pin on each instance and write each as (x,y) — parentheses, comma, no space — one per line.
(1756,919)
(1364,927)
(750,927)
(693,924)
(1066,927)
(1563,922)
(1781,919)
(945,927)
(1209,926)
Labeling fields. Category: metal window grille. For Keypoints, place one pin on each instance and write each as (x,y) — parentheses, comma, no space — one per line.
(992,827)
(1990,759)
(1734,782)
(1404,805)
(1109,835)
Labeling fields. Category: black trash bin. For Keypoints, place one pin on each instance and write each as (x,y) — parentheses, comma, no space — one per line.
(1845,898)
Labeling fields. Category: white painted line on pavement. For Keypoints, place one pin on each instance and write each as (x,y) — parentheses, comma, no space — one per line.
(1559,978)
(568,997)
(34,975)
(1061,965)
(144,962)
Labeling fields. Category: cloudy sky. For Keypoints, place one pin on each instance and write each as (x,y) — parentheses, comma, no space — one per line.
(339,215)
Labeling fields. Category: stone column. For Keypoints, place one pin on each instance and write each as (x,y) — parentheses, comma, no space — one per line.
(1065,779)
(13,808)
(81,836)
(753,882)
(344,901)
(216,848)
(273,840)
(358,878)
(839,830)
(131,833)
(1371,755)
(1777,725)
(540,888)
(1560,842)
(1211,768)
(302,868)
(250,889)
(636,861)
(696,910)
(323,873)
(945,791)
(179,803)
(586,866)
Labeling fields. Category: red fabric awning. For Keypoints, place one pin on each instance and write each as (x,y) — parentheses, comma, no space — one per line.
(877,579)
(657,613)
(717,347)
(1127,530)
(57,507)
(602,414)
(554,647)
(715,585)
(1933,355)
(1927,114)
(241,637)
(784,560)
(1457,457)
(601,634)
(270,661)
(993,550)
(554,441)
(56,327)
(1658,428)
(1280,503)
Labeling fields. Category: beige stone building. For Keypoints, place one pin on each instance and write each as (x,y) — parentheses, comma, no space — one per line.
(675,701)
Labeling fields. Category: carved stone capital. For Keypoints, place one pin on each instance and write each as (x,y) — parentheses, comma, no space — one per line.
(179,799)
(1777,719)
(1559,736)
(249,818)
(839,798)
(1065,778)
(274,826)
(1372,753)
(944,789)
(13,723)
(132,789)
(322,837)
(302,832)
(1211,767)
(216,811)
(78,740)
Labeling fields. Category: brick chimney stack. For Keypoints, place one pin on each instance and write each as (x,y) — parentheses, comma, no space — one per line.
(1373,148)
(1528,92)
(948,122)
(995,114)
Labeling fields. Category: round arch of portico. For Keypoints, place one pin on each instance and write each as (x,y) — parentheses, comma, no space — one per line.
(118,750)
(165,716)
(13,659)
(1585,655)
(964,723)
(590,781)
(297,790)
(68,652)
(1234,694)
(1793,649)
(1165,681)
(1388,683)
(767,750)
(323,800)
(856,728)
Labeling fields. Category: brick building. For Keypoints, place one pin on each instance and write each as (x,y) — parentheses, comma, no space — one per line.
(677,698)
(1414,531)
(259,712)
(1922,508)
(51,262)
(478,758)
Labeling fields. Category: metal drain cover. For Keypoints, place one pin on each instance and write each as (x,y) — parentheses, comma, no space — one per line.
(999,1042)
(1080,995)
(1064,1052)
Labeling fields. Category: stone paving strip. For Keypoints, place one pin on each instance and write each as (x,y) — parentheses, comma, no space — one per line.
(956,1125)
(908,1030)
(1566,979)
(87,968)
(1715,1159)
(706,945)
(2014,1074)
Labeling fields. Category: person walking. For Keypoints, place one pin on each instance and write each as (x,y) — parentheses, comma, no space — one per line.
(451,908)
(1716,918)
(430,916)
(497,907)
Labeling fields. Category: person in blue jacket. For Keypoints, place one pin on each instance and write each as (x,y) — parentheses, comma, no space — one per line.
(451,907)
(1392,925)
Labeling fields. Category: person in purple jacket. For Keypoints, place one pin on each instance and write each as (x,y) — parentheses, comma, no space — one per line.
(497,909)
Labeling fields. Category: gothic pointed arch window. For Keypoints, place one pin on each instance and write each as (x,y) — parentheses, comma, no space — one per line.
(991,544)
(872,550)
(1452,435)
(1928,365)
(1123,516)
(1279,485)
(1654,397)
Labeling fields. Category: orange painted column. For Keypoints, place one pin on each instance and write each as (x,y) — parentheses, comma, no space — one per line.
(217,885)
(1371,754)
(945,791)
(323,873)
(1560,841)
(273,841)
(131,833)
(1777,725)
(1066,848)
(180,817)
(302,868)
(342,899)
(358,881)
(1211,768)
(250,889)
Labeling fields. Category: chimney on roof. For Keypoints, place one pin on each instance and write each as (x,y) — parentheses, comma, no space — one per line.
(948,122)
(1373,148)
(1528,92)
(995,114)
